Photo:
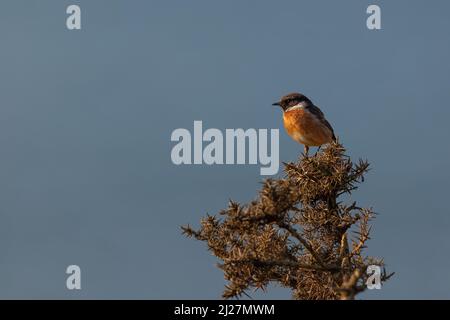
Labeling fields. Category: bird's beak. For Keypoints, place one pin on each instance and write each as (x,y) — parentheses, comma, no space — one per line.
(276,103)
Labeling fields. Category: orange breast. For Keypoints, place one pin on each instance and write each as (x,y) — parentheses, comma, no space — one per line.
(305,128)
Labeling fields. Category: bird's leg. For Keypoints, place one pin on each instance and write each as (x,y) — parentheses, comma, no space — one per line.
(318,149)
(306,149)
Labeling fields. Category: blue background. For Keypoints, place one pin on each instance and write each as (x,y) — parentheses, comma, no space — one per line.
(86,117)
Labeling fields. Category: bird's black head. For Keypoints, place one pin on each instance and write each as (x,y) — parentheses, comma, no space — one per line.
(291,100)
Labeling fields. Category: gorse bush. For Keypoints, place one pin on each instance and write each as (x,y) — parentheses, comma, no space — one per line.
(297,233)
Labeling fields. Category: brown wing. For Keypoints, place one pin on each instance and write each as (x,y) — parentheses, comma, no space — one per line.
(319,114)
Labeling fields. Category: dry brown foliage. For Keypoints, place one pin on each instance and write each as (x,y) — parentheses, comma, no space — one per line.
(296,233)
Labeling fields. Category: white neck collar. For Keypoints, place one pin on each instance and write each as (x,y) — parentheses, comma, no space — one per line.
(297,106)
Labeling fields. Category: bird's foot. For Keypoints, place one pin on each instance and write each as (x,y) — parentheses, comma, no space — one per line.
(317,151)
(305,151)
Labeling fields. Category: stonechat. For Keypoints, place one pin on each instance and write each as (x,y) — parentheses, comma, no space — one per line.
(304,121)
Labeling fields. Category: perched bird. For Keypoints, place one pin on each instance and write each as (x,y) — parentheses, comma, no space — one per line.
(304,121)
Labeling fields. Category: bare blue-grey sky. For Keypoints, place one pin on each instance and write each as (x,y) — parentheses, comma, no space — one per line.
(86,116)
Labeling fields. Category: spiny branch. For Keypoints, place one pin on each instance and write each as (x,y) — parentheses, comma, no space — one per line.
(296,232)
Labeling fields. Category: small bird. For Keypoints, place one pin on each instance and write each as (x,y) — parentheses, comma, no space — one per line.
(304,121)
